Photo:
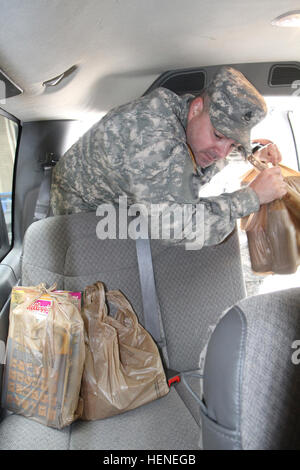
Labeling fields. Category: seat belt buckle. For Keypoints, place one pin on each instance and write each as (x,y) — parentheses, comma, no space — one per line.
(173,377)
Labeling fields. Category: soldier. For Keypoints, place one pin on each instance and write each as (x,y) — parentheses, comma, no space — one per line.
(160,148)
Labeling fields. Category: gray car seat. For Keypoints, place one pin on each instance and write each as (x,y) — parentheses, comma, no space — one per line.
(252,376)
(193,288)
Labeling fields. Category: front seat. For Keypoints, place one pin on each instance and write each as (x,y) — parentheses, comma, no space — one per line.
(251,387)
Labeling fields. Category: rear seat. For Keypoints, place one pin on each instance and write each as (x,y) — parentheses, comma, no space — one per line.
(193,288)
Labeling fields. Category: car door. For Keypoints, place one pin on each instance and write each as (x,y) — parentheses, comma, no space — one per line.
(10,246)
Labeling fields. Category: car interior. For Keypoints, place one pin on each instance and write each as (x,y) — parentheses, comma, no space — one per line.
(230,335)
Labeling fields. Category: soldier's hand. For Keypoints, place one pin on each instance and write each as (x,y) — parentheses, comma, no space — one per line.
(269,185)
(268,154)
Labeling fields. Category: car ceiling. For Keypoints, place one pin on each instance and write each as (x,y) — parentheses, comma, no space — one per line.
(119,47)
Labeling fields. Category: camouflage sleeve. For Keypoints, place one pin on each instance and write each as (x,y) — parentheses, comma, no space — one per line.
(207,222)
(221,213)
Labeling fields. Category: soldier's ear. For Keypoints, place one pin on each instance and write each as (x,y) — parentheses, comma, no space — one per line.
(196,107)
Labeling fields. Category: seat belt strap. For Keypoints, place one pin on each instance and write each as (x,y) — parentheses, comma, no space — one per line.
(43,200)
(174,377)
(149,296)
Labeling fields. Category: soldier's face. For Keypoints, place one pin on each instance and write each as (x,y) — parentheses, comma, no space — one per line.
(208,145)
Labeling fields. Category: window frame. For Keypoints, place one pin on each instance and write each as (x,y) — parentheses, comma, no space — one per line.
(5,250)
(296,139)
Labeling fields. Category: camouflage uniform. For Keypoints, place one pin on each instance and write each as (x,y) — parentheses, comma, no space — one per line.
(139,150)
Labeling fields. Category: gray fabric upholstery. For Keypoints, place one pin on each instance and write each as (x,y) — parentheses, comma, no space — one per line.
(19,433)
(162,424)
(222,382)
(189,401)
(251,385)
(271,382)
(193,289)
(66,250)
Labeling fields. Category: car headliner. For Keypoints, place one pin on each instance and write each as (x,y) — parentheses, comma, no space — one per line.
(119,47)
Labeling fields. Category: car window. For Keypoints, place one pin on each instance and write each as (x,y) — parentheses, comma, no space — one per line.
(282,127)
(8,145)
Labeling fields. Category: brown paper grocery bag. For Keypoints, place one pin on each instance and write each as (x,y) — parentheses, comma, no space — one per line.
(123,368)
(274,231)
(44,356)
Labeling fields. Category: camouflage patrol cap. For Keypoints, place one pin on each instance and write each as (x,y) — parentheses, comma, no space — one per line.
(235,106)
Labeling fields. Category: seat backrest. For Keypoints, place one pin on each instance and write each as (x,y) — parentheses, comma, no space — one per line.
(251,382)
(193,287)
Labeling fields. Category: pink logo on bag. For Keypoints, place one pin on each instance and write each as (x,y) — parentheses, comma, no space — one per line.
(41,306)
(44,305)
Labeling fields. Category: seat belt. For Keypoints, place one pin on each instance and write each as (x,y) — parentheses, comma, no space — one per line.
(152,315)
(151,306)
(43,200)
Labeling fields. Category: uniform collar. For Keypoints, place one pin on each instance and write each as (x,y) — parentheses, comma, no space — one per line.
(185,106)
(193,159)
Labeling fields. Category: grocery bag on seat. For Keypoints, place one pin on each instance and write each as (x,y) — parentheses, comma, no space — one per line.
(123,368)
(44,356)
